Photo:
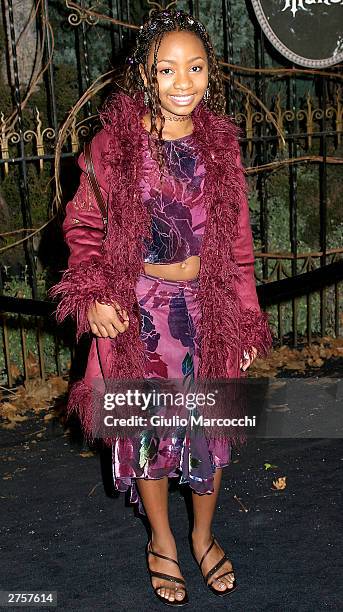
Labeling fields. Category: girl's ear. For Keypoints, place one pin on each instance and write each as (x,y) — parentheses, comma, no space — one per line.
(143,75)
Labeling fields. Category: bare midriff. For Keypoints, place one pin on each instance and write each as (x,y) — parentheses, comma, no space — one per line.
(181,271)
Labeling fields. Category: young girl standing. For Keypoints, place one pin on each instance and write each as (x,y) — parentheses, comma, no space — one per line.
(168,290)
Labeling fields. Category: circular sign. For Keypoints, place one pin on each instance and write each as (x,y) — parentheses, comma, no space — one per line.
(307,32)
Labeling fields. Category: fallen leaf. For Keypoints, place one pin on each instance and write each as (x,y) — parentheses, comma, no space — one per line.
(15,372)
(32,364)
(268,466)
(280,483)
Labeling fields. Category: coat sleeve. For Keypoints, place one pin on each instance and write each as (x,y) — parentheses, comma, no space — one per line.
(82,227)
(254,326)
(89,276)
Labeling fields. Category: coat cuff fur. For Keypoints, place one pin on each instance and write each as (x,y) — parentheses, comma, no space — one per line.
(255,331)
(81,285)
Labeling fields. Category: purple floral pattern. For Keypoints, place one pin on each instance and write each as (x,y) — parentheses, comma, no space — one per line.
(181,325)
(149,334)
(170,320)
(177,211)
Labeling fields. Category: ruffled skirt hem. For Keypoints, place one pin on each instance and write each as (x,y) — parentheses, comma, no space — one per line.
(195,465)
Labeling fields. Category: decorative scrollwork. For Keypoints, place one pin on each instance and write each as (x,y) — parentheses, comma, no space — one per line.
(49,133)
(311,115)
(14,137)
(4,142)
(35,136)
(82,129)
(337,112)
(80,15)
(278,114)
(157,5)
(281,116)
(282,268)
(249,118)
(29,135)
(38,136)
(289,115)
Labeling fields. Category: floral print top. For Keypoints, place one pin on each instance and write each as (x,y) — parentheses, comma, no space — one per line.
(177,210)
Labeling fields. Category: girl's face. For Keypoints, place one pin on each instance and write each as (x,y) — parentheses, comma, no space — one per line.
(182,71)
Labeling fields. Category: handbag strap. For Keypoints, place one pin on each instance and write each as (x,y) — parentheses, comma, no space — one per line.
(93,181)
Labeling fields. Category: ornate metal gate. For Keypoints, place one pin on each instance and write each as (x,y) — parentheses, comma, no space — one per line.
(291,120)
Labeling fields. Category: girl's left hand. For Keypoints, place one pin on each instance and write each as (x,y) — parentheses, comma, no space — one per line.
(247,361)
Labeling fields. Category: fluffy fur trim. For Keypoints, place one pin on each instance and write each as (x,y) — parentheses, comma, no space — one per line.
(81,285)
(85,401)
(255,331)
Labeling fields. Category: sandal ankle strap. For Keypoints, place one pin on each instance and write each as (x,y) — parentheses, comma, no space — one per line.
(207,551)
(151,552)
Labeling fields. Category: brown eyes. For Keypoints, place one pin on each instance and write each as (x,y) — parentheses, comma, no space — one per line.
(163,71)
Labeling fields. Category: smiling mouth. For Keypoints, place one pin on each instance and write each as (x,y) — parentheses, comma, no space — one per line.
(182,99)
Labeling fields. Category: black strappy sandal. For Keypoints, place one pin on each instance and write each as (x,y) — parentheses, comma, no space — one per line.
(214,569)
(166,601)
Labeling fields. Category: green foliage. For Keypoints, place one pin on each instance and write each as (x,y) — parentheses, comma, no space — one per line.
(308,231)
(67,90)
(16,287)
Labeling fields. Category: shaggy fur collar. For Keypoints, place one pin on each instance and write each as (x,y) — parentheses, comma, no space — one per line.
(216,139)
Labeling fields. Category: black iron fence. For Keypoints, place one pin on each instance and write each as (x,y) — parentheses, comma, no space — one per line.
(291,122)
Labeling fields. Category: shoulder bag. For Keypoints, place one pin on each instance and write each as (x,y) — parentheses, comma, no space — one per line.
(94,183)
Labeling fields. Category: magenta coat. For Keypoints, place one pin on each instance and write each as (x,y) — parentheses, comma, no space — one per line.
(232,321)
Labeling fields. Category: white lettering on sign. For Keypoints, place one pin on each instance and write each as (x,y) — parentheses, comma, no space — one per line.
(295,5)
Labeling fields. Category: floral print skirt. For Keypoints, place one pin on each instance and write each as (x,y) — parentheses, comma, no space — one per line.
(170,319)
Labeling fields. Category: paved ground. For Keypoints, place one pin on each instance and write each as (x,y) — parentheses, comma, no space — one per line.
(64,529)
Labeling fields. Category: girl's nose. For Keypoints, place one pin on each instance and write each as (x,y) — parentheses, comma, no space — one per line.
(183,81)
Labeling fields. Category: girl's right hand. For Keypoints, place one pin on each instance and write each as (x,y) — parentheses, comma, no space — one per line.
(104,320)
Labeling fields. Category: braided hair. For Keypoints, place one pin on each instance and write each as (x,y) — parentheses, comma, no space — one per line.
(152,31)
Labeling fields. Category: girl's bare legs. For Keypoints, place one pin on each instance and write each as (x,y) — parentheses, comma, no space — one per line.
(203,509)
(154,494)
